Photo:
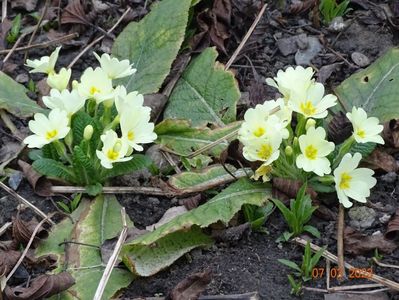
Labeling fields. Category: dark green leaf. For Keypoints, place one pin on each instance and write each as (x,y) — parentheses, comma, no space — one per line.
(54,169)
(312,230)
(290,264)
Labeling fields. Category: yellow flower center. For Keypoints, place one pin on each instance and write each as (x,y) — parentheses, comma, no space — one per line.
(345,181)
(307,108)
(51,134)
(265,151)
(112,155)
(311,152)
(130,135)
(94,90)
(361,133)
(258,132)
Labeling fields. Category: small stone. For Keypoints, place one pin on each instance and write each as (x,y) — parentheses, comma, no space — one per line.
(360,59)
(304,57)
(302,41)
(384,218)
(22,78)
(389,177)
(337,24)
(361,217)
(289,45)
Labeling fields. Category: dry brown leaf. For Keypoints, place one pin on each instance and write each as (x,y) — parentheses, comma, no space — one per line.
(22,231)
(74,13)
(291,187)
(339,128)
(39,183)
(8,259)
(214,27)
(392,232)
(379,159)
(43,286)
(4,29)
(299,7)
(191,287)
(391,133)
(357,243)
(191,202)
(28,5)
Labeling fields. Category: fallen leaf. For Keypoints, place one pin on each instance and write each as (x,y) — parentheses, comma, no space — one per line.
(28,5)
(8,259)
(339,128)
(299,7)
(40,184)
(156,102)
(4,29)
(43,286)
(170,214)
(191,202)
(213,26)
(357,243)
(22,231)
(191,287)
(257,92)
(291,187)
(391,133)
(9,152)
(233,234)
(379,159)
(325,72)
(392,232)
(74,13)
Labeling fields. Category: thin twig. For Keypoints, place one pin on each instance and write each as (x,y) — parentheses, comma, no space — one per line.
(5,227)
(10,125)
(340,241)
(3,10)
(44,44)
(328,255)
(328,269)
(37,27)
(112,260)
(98,39)
(246,37)
(26,248)
(354,287)
(384,265)
(22,36)
(26,202)
(171,162)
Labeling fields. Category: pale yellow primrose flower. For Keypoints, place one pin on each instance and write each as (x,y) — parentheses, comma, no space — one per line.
(365,129)
(258,124)
(68,101)
(136,127)
(313,103)
(292,81)
(126,101)
(353,182)
(114,150)
(263,172)
(95,84)
(114,67)
(59,80)
(284,113)
(314,150)
(45,64)
(47,130)
(266,150)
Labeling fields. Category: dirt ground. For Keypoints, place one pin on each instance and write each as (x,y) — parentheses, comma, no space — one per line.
(250,264)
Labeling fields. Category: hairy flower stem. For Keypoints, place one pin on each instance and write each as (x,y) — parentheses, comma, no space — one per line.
(301,126)
(343,149)
(61,150)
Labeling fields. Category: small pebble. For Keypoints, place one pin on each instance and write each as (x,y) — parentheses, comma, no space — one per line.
(360,59)
(389,177)
(361,217)
(384,218)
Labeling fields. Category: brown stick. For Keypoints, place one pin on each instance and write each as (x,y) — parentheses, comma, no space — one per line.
(340,241)
(26,202)
(112,260)
(98,39)
(328,255)
(44,44)
(3,10)
(27,248)
(246,37)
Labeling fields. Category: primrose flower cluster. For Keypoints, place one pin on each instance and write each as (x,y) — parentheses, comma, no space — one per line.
(302,151)
(123,119)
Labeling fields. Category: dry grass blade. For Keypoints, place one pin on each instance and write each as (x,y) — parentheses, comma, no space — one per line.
(340,240)
(112,260)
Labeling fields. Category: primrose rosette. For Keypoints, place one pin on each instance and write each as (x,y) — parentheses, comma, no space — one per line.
(92,130)
(287,139)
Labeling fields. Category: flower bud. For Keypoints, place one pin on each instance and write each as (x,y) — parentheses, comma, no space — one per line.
(295,142)
(310,123)
(129,151)
(68,139)
(288,151)
(88,132)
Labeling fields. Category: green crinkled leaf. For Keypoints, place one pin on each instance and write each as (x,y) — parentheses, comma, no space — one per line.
(13,98)
(94,222)
(78,124)
(138,162)
(83,166)
(54,169)
(220,208)
(49,151)
(375,88)
(206,178)
(152,44)
(181,138)
(205,93)
(146,261)
(364,149)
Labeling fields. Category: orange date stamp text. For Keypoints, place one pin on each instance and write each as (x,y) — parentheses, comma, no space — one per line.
(335,272)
